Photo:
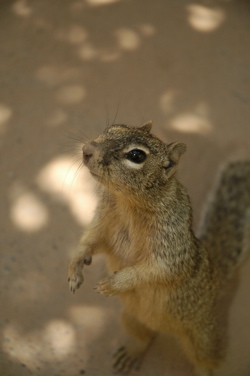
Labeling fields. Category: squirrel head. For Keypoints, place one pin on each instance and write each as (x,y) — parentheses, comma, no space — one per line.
(132,160)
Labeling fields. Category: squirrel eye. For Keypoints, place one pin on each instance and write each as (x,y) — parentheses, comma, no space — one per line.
(136,156)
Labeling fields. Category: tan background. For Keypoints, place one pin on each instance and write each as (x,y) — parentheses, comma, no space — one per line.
(66,68)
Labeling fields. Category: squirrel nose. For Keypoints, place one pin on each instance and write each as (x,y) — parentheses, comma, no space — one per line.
(87,152)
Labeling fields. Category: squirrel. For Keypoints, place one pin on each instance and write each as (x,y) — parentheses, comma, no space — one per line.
(168,280)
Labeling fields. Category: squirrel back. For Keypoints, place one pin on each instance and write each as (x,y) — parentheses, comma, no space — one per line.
(225,227)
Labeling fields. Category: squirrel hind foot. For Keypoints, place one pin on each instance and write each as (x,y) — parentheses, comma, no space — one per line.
(128,358)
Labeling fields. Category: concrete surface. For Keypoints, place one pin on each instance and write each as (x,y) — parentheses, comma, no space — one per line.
(66,68)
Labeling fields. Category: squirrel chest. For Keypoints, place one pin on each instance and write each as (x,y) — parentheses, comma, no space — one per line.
(124,235)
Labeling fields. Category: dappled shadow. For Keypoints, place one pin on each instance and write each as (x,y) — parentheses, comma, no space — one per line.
(68,68)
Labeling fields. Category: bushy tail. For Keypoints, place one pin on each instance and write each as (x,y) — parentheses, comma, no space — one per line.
(225,229)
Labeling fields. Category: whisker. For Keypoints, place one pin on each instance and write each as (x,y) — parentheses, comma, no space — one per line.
(76,160)
(83,134)
(77,173)
(75,143)
(117,110)
(74,136)
(71,148)
(107,115)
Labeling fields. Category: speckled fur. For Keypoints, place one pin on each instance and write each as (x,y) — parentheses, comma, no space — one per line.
(224,228)
(167,279)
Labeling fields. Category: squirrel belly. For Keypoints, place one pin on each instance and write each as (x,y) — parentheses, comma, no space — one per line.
(161,241)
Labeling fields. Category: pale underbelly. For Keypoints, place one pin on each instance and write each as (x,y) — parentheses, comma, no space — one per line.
(149,306)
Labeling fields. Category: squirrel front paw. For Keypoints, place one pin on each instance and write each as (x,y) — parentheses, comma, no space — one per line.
(107,286)
(75,277)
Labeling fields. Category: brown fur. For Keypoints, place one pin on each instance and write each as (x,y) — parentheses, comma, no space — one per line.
(166,278)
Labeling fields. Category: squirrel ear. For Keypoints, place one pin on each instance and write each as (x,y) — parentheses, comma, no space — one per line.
(175,151)
(147,126)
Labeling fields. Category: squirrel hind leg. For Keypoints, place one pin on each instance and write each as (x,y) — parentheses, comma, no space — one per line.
(129,357)
(205,347)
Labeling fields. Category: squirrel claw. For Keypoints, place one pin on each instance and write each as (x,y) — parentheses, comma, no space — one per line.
(124,362)
(75,283)
(75,278)
(105,286)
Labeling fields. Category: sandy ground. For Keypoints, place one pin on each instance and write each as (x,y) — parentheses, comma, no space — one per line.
(67,68)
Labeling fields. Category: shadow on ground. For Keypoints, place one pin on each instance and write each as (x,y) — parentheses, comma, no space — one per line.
(68,68)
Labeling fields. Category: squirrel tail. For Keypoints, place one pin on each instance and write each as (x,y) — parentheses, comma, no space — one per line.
(225,229)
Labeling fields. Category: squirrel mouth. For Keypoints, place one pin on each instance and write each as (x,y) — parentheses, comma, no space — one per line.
(97,177)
